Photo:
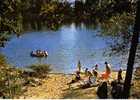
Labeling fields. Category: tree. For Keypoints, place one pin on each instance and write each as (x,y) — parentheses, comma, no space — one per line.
(132,53)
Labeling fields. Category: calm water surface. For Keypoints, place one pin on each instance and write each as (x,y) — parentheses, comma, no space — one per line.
(65,47)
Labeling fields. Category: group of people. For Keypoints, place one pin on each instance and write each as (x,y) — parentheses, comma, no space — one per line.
(94,78)
(39,53)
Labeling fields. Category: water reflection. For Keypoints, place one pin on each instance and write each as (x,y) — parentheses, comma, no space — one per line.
(65,47)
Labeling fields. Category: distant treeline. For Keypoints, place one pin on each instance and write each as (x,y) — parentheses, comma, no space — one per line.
(16,15)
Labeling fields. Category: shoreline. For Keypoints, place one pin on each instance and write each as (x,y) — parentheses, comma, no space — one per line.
(57,73)
(72,73)
(55,86)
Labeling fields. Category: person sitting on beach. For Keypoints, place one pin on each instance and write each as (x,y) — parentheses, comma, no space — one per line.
(89,80)
(94,77)
(102,90)
(86,82)
(95,67)
(77,77)
(117,89)
(89,73)
(86,72)
(106,74)
(95,70)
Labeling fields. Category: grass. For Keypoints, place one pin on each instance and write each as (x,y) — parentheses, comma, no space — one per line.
(12,80)
(40,70)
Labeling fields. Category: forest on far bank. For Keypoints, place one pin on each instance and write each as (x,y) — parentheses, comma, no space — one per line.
(114,17)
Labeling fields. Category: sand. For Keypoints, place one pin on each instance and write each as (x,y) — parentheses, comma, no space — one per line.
(55,87)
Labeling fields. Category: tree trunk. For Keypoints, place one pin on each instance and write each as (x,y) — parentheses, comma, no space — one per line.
(132,53)
(100,3)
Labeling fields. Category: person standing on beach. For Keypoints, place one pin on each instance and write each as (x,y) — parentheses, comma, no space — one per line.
(79,66)
(106,74)
(120,75)
(108,67)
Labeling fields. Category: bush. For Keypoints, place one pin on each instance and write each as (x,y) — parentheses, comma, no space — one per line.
(10,83)
(40,70)
(10,80)
(2,60)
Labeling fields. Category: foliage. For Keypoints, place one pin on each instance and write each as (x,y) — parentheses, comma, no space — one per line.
(118,24)
(10,80)
(2,60)
(40,70)
(114,17)
(15,13)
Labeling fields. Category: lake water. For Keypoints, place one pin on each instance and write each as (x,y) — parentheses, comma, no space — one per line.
(65,47)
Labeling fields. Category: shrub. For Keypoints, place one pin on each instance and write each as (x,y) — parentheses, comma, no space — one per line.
(10,83)
(40,70)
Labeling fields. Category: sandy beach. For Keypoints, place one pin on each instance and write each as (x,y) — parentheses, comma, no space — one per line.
(55,87)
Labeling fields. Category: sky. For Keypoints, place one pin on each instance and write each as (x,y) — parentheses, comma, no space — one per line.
(74,0)
(71,0)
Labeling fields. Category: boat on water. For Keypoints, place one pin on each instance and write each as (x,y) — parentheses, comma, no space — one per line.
(39,53)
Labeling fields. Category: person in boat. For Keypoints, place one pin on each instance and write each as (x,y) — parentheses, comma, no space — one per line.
(76,78)
(46,53)
(106,74)
(38,52)
(32,52)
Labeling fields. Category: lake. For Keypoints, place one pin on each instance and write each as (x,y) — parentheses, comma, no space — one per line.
(65,47)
